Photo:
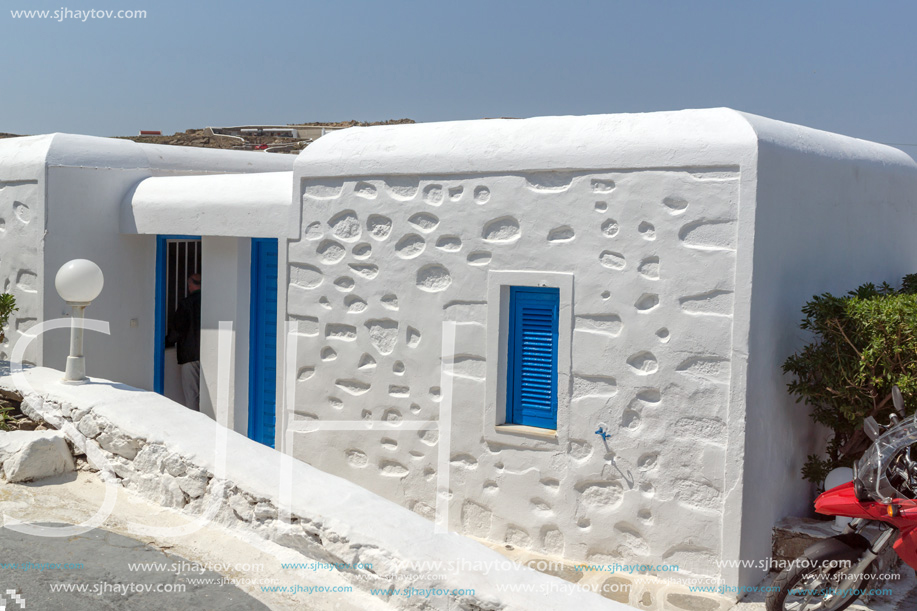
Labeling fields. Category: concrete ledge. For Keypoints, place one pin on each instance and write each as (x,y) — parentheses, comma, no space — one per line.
(182,459)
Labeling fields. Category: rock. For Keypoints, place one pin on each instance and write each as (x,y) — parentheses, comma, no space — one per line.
(174,465)
(77,413)
(25,425)
(194,484)
(122,446)
(121,467)
(31,407)
(241,507)
(32,455)
(150,459)
(172,494)
(265,511)
(89,427)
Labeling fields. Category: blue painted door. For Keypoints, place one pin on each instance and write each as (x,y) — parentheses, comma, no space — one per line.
(262,384)
(532,360)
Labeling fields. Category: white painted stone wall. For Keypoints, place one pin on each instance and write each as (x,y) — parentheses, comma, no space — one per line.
(382,262)
(22,222)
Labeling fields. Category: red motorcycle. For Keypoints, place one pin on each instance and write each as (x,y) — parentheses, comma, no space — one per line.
(832,574)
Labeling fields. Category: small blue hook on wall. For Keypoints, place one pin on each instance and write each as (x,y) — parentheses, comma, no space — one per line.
(602,433)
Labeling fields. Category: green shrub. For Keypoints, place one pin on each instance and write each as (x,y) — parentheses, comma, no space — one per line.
(6,417)
(865,343)
(7,307)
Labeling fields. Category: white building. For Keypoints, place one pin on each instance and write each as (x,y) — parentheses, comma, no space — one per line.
(639,275)
(61,197)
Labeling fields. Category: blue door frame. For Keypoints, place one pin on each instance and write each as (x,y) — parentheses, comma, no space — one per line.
(262,384)
(161,313)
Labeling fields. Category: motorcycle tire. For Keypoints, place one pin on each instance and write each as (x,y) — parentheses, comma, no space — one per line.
(810,574)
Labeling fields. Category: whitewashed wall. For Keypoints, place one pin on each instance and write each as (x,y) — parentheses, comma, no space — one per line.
(89,179)
(226,296)
(832,212)
(61,197)
(22,224)
(382,262)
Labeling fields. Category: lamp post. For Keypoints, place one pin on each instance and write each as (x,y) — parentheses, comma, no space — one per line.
(78,282)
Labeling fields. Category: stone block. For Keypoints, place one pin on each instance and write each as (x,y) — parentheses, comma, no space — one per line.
(194,484)
(31,455)
(89,427)
(117,444)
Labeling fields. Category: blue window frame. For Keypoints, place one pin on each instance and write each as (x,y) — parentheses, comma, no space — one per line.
(532,361)
(262,387)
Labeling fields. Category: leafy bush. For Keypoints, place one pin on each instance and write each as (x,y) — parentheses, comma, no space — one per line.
(865,343)
(7,307)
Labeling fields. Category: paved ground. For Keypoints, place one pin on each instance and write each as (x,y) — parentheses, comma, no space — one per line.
(242,563)
(105,559)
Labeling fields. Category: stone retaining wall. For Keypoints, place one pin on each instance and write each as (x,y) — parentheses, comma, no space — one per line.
(184,460)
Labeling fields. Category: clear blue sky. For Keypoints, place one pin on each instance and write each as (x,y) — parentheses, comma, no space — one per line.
(841,66)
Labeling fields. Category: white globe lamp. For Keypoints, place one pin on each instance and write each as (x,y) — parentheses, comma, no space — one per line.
(78,282)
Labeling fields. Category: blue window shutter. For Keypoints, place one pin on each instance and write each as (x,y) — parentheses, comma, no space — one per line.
(532,360)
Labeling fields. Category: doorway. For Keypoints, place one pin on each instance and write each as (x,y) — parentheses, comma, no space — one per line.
(177,257)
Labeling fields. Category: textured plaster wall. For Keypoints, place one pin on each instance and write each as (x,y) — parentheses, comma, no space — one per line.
(382,262)
(22,227)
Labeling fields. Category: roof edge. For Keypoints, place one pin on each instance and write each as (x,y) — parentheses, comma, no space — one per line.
(678,139)
(74,150)
(824,143)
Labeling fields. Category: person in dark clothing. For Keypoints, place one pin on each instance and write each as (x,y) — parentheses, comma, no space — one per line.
(185,330)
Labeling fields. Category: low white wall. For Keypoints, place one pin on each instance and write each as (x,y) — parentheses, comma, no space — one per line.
(184,460)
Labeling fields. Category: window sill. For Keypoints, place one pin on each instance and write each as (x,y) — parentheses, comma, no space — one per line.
(527,431)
